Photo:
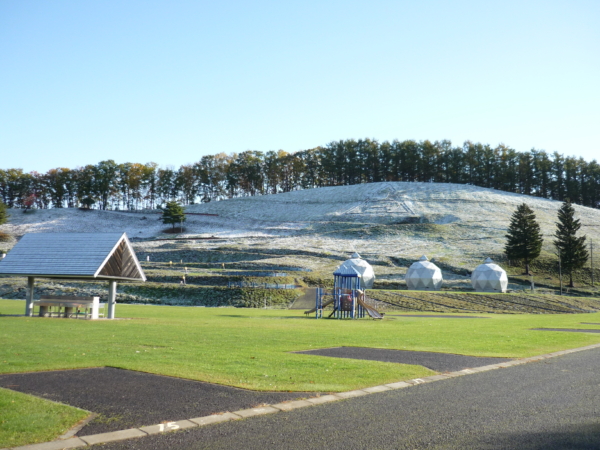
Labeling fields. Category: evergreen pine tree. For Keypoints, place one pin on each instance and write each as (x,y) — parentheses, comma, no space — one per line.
(173,213)
(524,236)
(571,249)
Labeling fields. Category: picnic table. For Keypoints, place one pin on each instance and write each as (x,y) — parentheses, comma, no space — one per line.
(69,307)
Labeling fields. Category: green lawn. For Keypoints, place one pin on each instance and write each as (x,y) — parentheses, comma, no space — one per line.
(249,348)
(25,419)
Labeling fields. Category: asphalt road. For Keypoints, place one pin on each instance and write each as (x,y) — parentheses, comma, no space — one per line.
(128,399)
(552,404)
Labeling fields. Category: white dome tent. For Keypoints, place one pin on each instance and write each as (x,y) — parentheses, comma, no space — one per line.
(363,268)
(423,275)
(489,277)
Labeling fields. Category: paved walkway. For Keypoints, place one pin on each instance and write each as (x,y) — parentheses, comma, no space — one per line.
(552,404)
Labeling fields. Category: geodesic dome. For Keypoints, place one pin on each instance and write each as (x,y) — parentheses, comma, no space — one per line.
(489,277)
(424,276)
(362,267)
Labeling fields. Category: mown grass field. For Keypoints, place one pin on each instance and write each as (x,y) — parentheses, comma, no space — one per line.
(25,419)
(250,348)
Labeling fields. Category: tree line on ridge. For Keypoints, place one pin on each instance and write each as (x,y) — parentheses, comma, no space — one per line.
(126,186)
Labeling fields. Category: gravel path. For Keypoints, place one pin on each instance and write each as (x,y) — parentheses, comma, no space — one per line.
(548,405)
(125,398)
(440,362)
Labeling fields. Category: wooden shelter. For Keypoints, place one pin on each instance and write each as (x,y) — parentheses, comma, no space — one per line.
(73,256)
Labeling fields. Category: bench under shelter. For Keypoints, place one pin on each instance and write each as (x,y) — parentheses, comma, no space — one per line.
(73,256)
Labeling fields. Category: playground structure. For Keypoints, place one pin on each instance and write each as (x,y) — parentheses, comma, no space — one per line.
(347,296)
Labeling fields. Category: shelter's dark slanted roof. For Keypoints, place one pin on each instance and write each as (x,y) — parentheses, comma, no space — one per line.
(102,256)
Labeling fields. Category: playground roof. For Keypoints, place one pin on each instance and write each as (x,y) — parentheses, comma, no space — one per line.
(346,271)
(98,256)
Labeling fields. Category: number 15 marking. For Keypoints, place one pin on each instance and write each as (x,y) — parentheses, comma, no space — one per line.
(169,426)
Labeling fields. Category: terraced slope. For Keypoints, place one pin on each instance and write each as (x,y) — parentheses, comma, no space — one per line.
(512,303)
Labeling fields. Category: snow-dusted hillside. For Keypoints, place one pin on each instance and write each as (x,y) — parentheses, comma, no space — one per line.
(475,213)
(389,202)
(468,222)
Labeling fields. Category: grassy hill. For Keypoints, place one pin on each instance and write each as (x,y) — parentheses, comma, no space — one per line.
(303,235)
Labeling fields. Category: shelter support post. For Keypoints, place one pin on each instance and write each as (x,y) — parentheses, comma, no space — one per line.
(29,297)
(112,298)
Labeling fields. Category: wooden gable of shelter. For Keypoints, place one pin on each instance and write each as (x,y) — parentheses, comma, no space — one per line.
(122,263)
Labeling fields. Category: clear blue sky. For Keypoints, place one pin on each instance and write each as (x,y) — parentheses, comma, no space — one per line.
(171,81)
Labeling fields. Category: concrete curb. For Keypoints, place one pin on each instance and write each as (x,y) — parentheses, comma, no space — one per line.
(77,428)
(215,418)
(245,413)
(83,441)
(323,399)
(113,436)
(289,406)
